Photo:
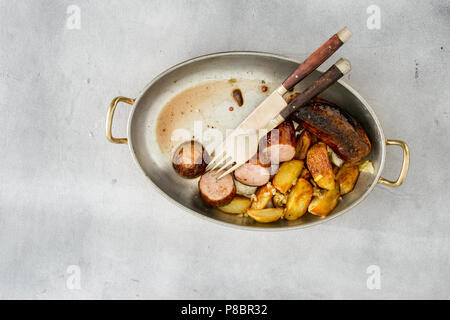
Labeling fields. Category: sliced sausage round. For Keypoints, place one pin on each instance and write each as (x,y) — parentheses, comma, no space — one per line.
(189,159)
(216,192)
(252,174)
(280,144)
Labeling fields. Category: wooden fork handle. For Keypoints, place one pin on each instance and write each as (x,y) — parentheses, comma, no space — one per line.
(317,58)
(333,74)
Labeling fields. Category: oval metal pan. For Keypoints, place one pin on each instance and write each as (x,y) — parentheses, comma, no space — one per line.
(240,65)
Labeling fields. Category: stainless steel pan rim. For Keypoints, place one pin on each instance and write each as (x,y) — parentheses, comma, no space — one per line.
(376,180)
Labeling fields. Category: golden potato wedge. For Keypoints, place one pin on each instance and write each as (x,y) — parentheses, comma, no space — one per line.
(238,205)
(346,178)
(287,175)
(266,215)
(320,167)
(263,196)
(279,200)
(303,143)
(298,200)
(325,202)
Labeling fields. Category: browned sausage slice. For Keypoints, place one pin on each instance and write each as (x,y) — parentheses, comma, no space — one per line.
(280,144)
(216,192)
(334,126)
(189,159)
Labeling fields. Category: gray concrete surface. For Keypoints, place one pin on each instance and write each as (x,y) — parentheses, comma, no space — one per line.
(70,198)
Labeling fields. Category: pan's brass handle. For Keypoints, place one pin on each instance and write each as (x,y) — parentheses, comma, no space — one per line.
(110,115)
(405,164)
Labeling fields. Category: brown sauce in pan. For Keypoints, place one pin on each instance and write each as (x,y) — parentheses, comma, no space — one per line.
(237,95)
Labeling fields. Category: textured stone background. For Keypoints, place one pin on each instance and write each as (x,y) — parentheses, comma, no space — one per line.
(68,197)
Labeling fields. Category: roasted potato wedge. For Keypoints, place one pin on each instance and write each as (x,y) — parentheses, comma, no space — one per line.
(320,167)
(298,200)
(346,178)
(323,203)
(304,141)
(262,196)
(266,215)
(287,175)
(279,200)
(238,205)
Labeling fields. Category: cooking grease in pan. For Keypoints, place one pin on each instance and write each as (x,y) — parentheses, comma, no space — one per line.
(203,112)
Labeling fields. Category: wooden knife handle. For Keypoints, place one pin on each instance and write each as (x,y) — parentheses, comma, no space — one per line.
(317,58)
(333,74)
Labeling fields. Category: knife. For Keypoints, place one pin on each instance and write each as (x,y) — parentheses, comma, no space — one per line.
(333,74)
(270,108)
